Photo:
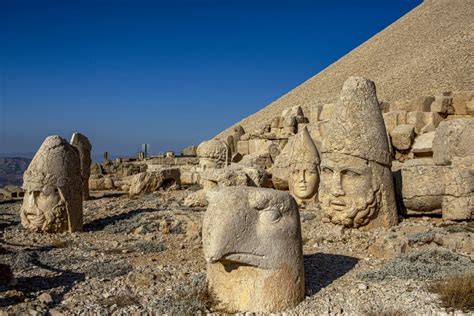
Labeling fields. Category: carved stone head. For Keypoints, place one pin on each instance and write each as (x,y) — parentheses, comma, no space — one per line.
(53,185)
(304,167)
(252,244)
(213,154)
(356,186)
(83,145)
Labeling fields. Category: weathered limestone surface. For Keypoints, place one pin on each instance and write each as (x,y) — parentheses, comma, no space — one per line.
(422,184)
(53,185)
(190,151)
(356,187)
(421,104)
(236,175)
(304,167)
(458,203)
(151,181)
(453,139)
(402,136)
(424,144)
(100,183)
(83,145)
(253,248)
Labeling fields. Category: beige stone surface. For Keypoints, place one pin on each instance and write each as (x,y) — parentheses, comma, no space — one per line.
(393,119)
(458,203)
(253,248)
(426,52)
(423,185)
(443,104)
(356,187)
(83,145)
(423,121)
(213,153)
(421,104)
(402,136)
(304,167)
(424,143)
(151,181)
(453,138)
(53,185)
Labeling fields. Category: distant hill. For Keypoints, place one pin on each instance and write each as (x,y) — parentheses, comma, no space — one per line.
(12,169)
(426,52)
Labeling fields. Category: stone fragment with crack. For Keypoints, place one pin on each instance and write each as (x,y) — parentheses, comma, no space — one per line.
(356,188)
(53,185)
(253,248)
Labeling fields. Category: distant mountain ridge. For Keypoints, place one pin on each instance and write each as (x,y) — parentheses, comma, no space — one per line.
(12,169)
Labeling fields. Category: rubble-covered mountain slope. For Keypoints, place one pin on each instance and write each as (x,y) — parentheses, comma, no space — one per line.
(428,51)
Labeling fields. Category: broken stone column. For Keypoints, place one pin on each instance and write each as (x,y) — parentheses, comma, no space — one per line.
(356,187)
(253,248)
(83,145)
(304,168)
(53,185)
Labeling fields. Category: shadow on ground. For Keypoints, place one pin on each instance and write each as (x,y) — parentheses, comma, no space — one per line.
(29,286)
(321,269)
(99,224)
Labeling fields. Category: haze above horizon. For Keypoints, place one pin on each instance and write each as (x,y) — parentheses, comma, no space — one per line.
(169,74)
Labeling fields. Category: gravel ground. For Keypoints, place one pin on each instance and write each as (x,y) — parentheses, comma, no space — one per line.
(145,255)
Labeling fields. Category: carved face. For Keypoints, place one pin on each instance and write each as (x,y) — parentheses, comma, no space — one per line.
(44,211)
(251,226)
(346,192)
(304,180)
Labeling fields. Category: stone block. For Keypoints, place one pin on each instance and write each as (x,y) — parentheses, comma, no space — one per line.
(461,99)
(443,104)
(243,147)
(458,203)
(453,138)
(393,119)
(422,185)
(402,136)
(419,104)
(423,121)
(424,143)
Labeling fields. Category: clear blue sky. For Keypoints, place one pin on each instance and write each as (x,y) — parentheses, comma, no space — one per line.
(168,73)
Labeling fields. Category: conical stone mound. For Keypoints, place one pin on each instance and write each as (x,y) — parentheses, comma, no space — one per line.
(428,51)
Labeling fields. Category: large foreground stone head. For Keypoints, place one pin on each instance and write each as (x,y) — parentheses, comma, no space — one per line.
(304,167)
(356,186)
(53,185)
(213,153)
(252,243)
(83,145)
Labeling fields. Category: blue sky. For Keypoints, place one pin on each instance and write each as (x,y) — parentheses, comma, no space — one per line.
(167,73)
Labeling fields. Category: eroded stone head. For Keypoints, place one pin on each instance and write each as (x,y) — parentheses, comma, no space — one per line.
(53,185)
(304,167)
(83,145)
(252,243)
(213,154)
(356,187)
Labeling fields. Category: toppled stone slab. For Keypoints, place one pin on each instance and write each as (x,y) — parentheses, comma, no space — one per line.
(424,143)
(147,182)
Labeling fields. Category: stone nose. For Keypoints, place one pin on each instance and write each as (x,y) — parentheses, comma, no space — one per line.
(336,185)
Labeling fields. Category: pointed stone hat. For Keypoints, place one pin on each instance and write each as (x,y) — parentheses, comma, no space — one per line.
(357,127)
(304,150)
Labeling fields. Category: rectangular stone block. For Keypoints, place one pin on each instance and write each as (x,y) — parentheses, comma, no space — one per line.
(419,104)
(393,119)
(423,121)
(326,112)
(243,147)
(461,100)
(258,145)
(424,143)
(443,104)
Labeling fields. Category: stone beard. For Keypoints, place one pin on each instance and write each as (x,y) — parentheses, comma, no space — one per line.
(44,211)
(350,191)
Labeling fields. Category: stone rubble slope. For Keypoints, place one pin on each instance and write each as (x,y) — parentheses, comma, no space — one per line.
(426,52)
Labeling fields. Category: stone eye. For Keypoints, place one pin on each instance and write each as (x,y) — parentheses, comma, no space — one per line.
(351,173)
(270,216)
(327,170)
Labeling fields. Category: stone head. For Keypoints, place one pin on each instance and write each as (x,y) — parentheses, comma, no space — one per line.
(213,154)
(252,243)
(356,186)
(304,167)
(53,185)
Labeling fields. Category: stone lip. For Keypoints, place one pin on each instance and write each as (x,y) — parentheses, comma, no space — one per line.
(245,258)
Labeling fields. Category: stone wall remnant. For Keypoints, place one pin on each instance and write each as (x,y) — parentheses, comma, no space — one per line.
(83,145)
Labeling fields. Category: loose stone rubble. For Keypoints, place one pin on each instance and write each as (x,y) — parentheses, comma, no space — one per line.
(53,185)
